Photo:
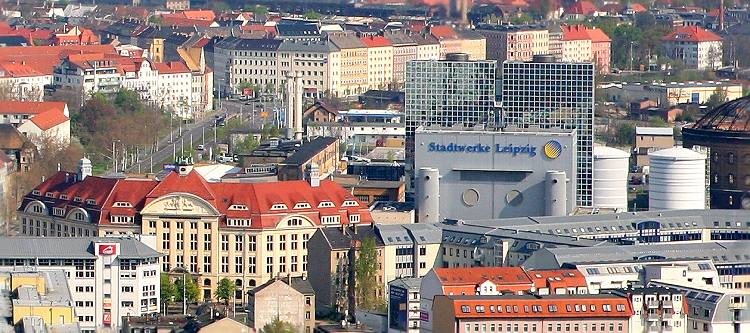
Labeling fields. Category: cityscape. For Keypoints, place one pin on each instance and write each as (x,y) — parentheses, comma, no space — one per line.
(368,166)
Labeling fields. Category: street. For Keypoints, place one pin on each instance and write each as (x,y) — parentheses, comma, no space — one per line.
(199,133)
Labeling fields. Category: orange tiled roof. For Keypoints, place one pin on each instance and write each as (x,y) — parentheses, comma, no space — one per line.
(581,8)
(375,41)
(172,67)
(12,107)
(478,275)
(443,32)
(557,278)
(49,119)
(555,306)
(692,34)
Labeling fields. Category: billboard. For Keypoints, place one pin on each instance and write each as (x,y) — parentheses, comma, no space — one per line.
(107,249)
(107,318)
(397,308)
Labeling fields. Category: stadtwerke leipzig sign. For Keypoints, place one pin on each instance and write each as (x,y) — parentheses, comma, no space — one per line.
(551,149)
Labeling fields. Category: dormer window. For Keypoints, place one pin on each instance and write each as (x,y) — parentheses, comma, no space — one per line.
(36,192)
(237,207)
(326,204)
(335,219)
(64,196)
(301,205)
(121,219)
(49,195)
(354,218)
(350,203)
(238,222)
(77,199)
(122,204)
(278,206)
(79,216)
(58,211)
(90,202)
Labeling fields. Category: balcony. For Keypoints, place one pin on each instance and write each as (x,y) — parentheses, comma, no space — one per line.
(667,304)
(652,304)
(653,317)
(737,306)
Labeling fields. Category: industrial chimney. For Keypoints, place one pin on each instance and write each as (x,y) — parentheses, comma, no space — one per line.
(289,115)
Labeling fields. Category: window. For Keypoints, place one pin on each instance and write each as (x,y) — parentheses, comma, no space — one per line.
(301,205)
(325,204)
(730,179)
(278,206)
(269,243)
(607,307)
(58,211)
(225,242)
(330,219)
(237,207)
(465,309)
(354,218)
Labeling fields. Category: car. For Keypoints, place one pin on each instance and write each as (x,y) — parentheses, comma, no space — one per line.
(200,147)
(224,159)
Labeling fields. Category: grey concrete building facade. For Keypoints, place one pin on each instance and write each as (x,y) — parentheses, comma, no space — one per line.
(487,174)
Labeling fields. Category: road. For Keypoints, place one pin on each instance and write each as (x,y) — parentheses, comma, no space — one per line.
(200,132)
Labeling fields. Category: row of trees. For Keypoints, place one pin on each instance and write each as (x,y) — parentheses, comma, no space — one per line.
(124,120)
(173,291)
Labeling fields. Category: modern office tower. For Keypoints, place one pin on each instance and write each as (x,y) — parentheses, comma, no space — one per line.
(545,94)
(449,92)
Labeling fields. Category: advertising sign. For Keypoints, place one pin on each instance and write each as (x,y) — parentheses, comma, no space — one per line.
(397,308)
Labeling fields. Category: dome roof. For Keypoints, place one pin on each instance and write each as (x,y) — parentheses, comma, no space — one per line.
(730,116)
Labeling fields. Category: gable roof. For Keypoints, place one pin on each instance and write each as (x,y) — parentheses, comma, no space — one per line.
(11,107)
(691,34)
(581,8)
(10,137)
(47,120)
(548,306)
(477,275)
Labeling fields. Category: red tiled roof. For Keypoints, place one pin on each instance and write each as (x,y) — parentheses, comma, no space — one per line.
(638,8)
(581,32)
(557,278)
(15,69)
(179,21)
(200,14)
(376,41)
(478,275)
(581,8)
(47,120)
(45,58)
(443,32)
(556,306)
(172,67)
(691,34)
(258,198)
(11,107)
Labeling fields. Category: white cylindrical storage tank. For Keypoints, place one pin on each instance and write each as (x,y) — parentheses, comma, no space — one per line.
(610,178)
(677,179)
(555,194)
(428,195)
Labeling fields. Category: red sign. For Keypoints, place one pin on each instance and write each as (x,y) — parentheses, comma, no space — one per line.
(107,318)
(248,92)
(107,249)
(107,303)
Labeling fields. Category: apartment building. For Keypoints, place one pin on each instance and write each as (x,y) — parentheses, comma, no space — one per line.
(578,43)
(488,281)
(404,50)
(379,61)
(650,139)
(711,309)
(317,61)
(23,81)
(403,305)
(38,120)
(656,309)
(248,233)
(428,47)
(450,40)
(88,74)
(531,313)
(403,251)
(695,47)
(291,300)
(354,63)
(239,61)
(514,42)
(109,278)
(35,301)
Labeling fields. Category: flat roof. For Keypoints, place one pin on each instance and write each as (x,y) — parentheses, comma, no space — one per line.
(70,248)
(663,131)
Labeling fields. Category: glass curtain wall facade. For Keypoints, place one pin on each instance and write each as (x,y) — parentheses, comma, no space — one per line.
(554,95)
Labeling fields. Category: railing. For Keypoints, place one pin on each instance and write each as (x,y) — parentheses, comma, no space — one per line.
(652,304)
(737,306)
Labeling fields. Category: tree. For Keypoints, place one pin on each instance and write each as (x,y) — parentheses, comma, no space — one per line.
(626,134)
(658,122)
(366,278)
(220,6)
(225,290)
(191,290)
(167,289)
(128,101)
(717,98)
(521,18)
(312,15)
(278,326)
(155,19)
(247,145)
(257,9)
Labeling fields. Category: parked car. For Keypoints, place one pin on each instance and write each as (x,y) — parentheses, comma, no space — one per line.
(200,147)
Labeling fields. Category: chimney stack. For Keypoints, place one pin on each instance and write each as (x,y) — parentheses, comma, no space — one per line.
(289,106)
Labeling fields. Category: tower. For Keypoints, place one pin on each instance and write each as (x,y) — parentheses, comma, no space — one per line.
(84,168)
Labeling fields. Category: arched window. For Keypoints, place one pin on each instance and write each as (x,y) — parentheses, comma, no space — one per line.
(238,283)
(207,282)
(251,283)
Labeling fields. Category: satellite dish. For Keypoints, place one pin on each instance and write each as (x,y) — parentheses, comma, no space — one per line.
(745,201)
